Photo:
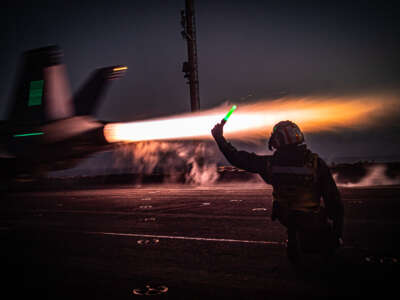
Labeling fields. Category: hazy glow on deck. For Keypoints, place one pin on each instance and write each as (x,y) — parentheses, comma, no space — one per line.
(256,119)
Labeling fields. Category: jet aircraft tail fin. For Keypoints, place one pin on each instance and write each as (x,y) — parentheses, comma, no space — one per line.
(88,96)
(42,92)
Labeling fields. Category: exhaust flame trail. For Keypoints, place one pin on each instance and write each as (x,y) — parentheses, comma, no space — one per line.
(256,119)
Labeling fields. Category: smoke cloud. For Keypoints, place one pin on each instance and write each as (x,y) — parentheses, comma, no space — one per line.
(190,162)
(375,176)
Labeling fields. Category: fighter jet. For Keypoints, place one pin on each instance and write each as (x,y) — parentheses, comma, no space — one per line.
(48,129)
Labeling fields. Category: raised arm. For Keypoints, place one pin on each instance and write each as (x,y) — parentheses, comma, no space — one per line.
(241,159)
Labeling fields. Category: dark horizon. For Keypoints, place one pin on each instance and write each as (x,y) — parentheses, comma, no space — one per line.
(263,49)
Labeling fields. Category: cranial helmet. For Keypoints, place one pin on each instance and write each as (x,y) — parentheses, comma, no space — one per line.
(285,133)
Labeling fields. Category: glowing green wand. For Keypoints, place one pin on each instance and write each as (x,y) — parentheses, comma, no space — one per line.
(228,115)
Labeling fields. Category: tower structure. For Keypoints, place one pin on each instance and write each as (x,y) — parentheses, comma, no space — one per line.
(190,67)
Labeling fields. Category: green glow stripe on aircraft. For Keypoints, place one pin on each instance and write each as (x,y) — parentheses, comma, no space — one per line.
(36,92)
(28,134)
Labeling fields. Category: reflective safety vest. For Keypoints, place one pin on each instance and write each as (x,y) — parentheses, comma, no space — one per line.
(295,186)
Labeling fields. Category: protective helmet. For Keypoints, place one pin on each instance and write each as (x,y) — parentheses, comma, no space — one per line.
(285,133)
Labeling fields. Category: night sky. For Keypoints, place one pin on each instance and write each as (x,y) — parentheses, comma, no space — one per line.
(263,48)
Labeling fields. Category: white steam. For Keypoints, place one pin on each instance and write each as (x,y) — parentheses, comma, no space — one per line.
(195,161)
(375,176)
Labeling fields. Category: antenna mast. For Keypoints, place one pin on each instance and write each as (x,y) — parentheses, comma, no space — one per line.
(190,67)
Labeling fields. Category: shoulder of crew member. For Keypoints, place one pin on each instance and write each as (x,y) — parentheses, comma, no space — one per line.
(251,161)
(322,168)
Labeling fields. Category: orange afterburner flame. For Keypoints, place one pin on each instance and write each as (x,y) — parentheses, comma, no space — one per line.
(256,119)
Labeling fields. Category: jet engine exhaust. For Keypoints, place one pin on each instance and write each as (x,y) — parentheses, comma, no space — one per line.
(255,120)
